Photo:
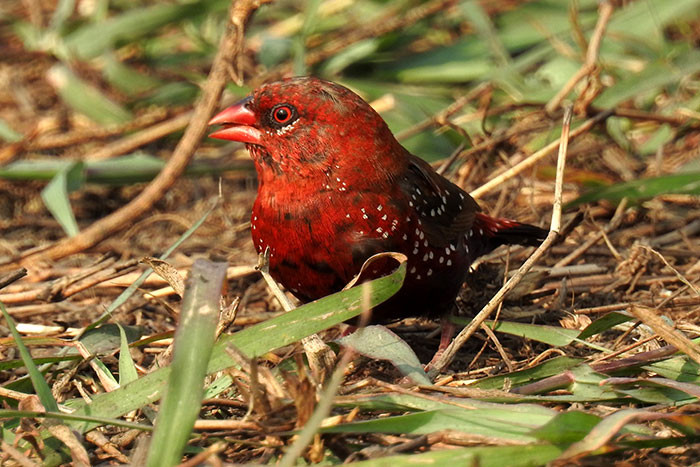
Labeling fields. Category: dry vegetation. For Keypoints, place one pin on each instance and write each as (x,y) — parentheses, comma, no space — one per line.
(592,358)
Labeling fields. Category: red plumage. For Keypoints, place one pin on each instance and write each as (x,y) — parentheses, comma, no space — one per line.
(336,187)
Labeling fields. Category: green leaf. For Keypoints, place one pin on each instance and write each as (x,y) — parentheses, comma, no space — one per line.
(127,368)
(551,367)
(127,79)
(646,188)
(102,369)
(274,50)
(604,323)
(108,337)
(85,98)
(482,456)
(352,54)
(604,431)
(64,9)
(299,43)
(587,384)
(125,170)
(218,386)
(552,335)
(172,94)
(499,422)
(380,343)
(567,427)
(645,21)
(93,39)
(55,196)
(40,386)
(194,340)
(661,136)
(679,368)
(253,341)
(655,75)
(116,422)
(12,364)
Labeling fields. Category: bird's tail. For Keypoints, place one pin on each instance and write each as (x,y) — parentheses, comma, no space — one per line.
(495,232)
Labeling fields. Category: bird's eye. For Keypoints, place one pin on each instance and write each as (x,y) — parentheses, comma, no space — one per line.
(282,115)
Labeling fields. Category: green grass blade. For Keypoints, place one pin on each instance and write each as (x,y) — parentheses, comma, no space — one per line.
(127,368)
(93,39)
(567,427)
(194,341)
(604,323)
(41,387)
(517,378)
(482,456)
(663,72)
(551,335)
(55,196)
(646,188)
(125,170)
(87,99)
(498,422)
(127,79)
(72,417)
(380,343)
(253,341)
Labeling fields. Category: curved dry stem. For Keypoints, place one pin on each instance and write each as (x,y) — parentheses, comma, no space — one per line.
(229,49)
(446,358)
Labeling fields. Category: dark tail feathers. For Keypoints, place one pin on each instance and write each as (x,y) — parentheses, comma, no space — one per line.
(498,232)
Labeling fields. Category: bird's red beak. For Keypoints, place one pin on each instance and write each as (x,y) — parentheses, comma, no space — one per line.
(238,121)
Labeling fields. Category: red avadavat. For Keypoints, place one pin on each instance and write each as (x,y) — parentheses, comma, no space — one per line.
(336,187)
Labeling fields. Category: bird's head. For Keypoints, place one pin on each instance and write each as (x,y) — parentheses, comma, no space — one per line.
(300,126)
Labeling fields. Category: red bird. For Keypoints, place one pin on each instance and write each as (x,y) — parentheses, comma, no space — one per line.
(336,187)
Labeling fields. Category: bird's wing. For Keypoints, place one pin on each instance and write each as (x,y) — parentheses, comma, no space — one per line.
(446,211)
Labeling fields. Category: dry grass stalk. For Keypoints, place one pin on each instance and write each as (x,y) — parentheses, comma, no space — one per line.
(464,335)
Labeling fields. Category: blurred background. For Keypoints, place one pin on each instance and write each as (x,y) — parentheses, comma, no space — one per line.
(78,75)
(95,94)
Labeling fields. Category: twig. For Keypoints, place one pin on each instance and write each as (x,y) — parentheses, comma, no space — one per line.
(651,318)
(576,284)
(499,348)
(535,157)
(140,138)
(17,455)
(229,49)
(680,276)
(457,343)
(644,115)
(60,140)
(612,225)
(604,13)
(627,348)
(445,113)
(557,381)
(102,270)
(488,144)
(677,234)
(7,279)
